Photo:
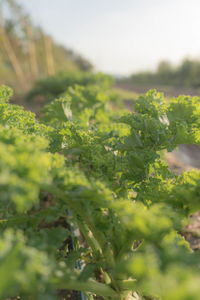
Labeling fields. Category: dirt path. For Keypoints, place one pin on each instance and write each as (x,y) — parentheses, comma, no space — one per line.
(168,91)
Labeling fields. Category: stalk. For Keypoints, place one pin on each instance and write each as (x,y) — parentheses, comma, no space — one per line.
(91,286)
(89,237)
(94,239)
(128,284)
(126,246)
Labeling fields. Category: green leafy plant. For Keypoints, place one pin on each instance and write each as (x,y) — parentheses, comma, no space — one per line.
(126,208)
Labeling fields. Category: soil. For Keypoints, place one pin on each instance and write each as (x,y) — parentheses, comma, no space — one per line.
(167,90)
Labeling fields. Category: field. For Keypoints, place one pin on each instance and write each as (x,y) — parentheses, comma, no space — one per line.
(93,201)
(99,180)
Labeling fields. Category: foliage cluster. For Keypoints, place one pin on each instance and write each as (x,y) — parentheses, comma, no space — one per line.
(54,86)
(90,174)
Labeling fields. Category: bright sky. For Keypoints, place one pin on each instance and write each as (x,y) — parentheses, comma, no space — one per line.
(122,36)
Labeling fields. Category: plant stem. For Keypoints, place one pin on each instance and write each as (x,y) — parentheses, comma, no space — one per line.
(88,286)
(128,284)
(89,237)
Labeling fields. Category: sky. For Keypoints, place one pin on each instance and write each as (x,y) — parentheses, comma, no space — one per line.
(122,36)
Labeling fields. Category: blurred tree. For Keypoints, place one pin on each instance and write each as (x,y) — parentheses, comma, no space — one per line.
(186,75)
(189,73)
(9,48)
(83,64)
(27,53)
(164,66)
(26,25)
(165,72)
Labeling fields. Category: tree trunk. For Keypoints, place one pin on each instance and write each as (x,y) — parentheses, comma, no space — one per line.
(11,54)
(49,55)
(32,53)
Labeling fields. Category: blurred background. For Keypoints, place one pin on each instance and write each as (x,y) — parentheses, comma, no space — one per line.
(143,44)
